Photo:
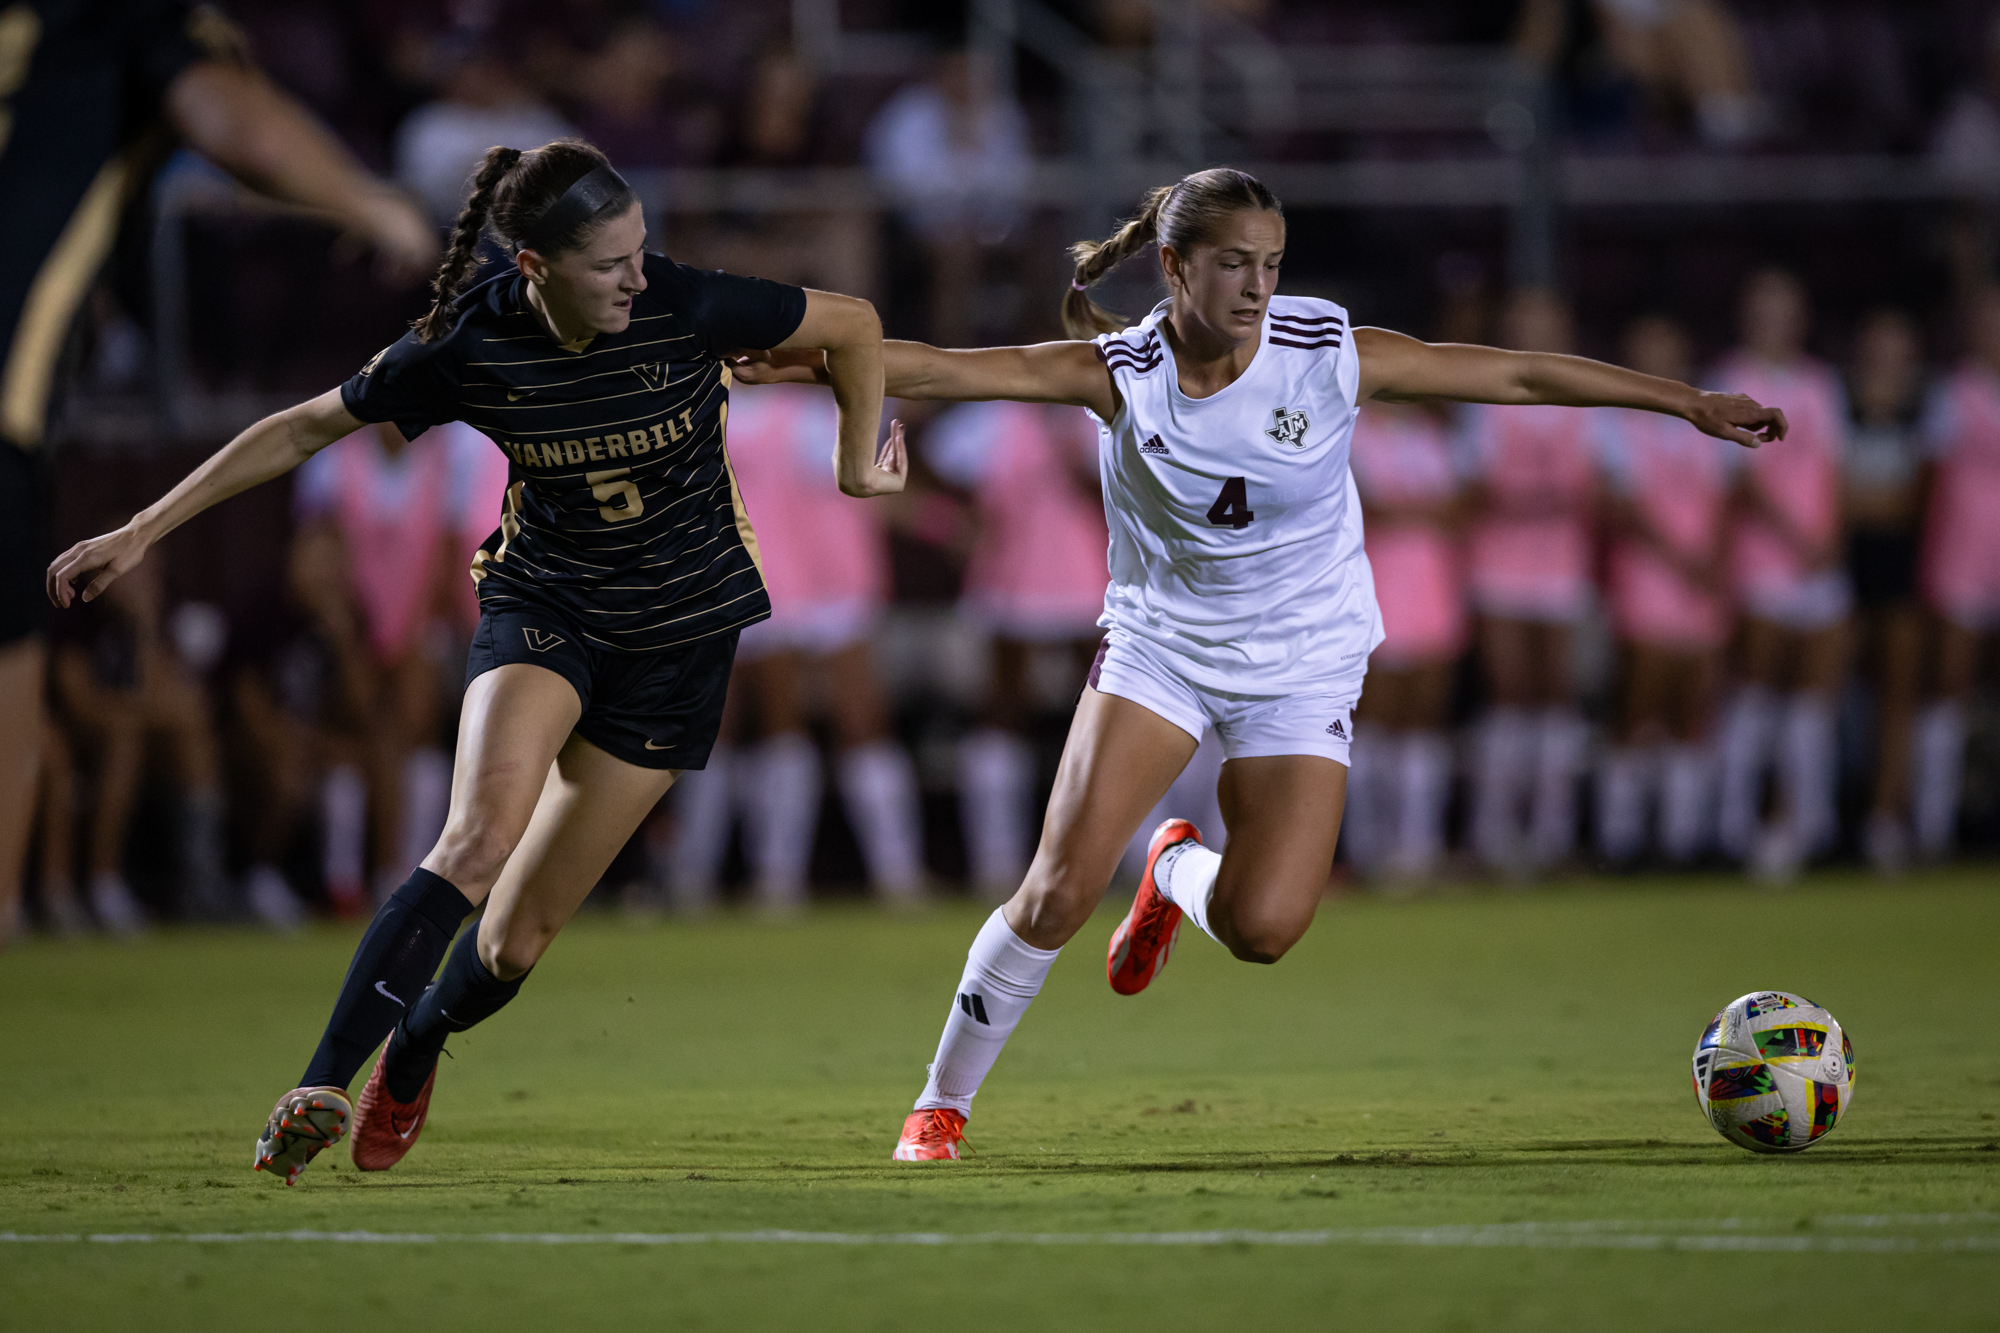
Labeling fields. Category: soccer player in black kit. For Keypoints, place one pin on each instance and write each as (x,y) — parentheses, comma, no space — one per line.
(611,595)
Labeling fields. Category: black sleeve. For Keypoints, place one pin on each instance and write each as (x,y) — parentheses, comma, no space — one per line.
(409,382)
(733,312)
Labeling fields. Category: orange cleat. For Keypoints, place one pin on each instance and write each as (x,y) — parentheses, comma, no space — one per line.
(1144,939)
(304,1121)
(931,1136)
(384,1128)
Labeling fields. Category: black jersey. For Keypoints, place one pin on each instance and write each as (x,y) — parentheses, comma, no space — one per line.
(621,506)
(81,83)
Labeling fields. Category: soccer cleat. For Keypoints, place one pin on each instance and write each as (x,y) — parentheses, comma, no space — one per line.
(1144,939)
(304,1121)
(934,1135)
(384,1128)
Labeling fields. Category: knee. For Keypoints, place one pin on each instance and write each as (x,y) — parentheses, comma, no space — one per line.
(471,855)
(1257,936)
(1055,901)
(513,949)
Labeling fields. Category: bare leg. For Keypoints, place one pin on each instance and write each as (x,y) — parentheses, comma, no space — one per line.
(1119,759)
(1283,813)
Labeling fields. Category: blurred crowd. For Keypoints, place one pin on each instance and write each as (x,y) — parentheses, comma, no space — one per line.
(1612,641)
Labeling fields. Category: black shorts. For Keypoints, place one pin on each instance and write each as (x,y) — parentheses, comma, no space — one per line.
(24,553)
(656,710)
(1883,566)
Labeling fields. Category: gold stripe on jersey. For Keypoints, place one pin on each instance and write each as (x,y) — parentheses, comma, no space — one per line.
(20,33)
(53,298)
(743,528)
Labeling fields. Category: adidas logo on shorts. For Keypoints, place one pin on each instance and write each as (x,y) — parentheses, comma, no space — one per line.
(1153,446)
(1334,728)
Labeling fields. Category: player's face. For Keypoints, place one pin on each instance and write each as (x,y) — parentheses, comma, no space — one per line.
(593,285)
(1226,282)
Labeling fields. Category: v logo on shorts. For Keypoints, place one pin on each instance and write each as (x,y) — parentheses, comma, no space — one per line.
(541,640)
(653,374)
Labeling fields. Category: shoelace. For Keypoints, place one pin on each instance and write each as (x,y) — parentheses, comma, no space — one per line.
(938,1128)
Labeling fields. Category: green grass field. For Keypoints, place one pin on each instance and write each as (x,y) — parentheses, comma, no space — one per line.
(1469,1112)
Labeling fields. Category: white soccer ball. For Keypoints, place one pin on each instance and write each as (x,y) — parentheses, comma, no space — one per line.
(1773,1072)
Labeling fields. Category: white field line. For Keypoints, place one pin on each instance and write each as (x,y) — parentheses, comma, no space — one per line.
(1727,1234)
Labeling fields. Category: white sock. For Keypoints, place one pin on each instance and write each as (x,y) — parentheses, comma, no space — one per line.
(879,785)
(783,819)
(1747,727)
(343,812)
(996,774)
(1185,876)
(1560,738)
(1807,767)
(1423,786)
(692,859)
(1684,802)
(1939,771)
(1003,974)
(1502,753)
(426,801)
(1622,780)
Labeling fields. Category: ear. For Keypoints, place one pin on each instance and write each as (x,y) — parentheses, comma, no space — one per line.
(532,266)
(1171,266)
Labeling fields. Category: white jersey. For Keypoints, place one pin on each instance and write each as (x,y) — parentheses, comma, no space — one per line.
(1235,526)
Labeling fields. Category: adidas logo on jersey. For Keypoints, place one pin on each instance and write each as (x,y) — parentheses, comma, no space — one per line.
(1153,446)
(1289,427)
(1335,729)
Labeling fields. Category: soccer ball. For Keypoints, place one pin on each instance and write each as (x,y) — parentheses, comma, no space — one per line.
(1773,1072)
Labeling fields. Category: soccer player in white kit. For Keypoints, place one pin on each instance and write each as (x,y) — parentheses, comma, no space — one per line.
(1240,598)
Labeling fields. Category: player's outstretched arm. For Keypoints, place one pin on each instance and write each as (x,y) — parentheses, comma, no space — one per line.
(237,119)
(849,334)
(272,447)
(1395,366)
(1058,372)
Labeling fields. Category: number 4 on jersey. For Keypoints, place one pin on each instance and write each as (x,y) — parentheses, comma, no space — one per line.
(1232,508)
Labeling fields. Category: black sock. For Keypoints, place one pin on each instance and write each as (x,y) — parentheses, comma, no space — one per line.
(395,961)
(465,994)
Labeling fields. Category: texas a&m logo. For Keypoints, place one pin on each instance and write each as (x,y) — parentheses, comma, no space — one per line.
(1289,427)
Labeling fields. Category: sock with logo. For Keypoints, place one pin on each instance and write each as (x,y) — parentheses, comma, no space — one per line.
(395,961)
(1185,876)
(466,993)
(1003,974)
(879,787)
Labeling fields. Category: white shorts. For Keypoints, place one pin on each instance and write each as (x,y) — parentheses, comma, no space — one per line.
(1815,602)
(1317,721)
(819,629)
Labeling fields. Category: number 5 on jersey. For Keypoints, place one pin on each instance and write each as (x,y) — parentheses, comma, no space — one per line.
(606,487)
(1232,508)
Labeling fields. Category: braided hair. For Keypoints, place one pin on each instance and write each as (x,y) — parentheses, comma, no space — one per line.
(510,191)
(1182,215)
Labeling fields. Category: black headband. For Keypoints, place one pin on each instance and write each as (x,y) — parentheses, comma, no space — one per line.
(577,205)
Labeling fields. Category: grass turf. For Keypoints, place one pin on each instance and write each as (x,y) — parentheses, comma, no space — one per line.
(1513,1062)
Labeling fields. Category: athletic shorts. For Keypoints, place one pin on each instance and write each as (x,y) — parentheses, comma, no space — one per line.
(656,710)
(24,554)
(1317,722)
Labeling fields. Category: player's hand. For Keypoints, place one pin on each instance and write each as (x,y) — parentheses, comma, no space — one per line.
(98,562)
(798,365)
(891,470)
(1737,418)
